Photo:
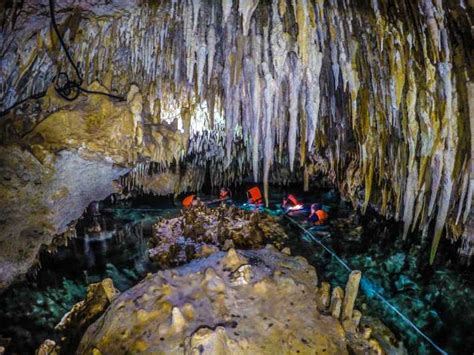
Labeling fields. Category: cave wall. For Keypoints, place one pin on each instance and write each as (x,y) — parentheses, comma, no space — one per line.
(372,94)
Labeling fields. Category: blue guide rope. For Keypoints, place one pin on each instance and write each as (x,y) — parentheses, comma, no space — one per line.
(369,287)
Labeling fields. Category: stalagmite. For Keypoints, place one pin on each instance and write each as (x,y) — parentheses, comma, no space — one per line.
(324,297)
(382,103)
(336,302)
(350,294)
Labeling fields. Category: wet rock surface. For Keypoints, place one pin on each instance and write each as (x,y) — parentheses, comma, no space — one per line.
(437,300)
(283,91)
(75,322)
(258,302)
(40,198)
(201,230)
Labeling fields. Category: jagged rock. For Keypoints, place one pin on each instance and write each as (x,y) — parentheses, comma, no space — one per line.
(395,263)
(75,322)
(178,323)
(207,250)
(48,347)
(207,230)
(233,260)
(403,283)
(287,65)
(212,282)
(274,312)
(383,335)
(263,74)
(208,341)
(228,244)
(242,275)
(33,215)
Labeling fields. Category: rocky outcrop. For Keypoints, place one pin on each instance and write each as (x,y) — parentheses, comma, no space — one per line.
(40,198)
(74,323)
(201,230)
(250,302)
(288,89)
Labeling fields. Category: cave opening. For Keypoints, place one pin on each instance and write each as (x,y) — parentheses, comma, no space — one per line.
(313,158)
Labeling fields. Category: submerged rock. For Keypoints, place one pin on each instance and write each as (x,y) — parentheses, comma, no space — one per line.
(204,230)
(75,322)
(48,347)
(217,306)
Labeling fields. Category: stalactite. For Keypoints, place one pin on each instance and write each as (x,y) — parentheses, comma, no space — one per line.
(246,9)
(376,102)
(269,98)
(294,88)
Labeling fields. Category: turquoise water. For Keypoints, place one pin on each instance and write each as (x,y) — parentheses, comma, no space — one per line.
(438,300)
(30,310)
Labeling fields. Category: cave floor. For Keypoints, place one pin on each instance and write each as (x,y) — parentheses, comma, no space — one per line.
(437,299)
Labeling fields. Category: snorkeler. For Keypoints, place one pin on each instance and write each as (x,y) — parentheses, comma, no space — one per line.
(290,203)
(225,194)
(190,200)
(254,196)
(317,215)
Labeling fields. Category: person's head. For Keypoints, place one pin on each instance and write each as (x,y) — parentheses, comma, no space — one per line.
(317,206)
(223,189)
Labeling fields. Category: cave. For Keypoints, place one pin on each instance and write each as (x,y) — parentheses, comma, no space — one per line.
(236,176)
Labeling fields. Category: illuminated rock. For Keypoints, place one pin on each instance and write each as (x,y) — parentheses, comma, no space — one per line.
(200,307)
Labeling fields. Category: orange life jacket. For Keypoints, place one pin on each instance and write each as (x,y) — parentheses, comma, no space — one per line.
(255,196)
(322,217)
(292,199)
(188,201)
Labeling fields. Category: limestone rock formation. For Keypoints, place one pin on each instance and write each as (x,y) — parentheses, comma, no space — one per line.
(374,95)
(40,198)
(198,308)
(201,230)
(74,323)
(48,347)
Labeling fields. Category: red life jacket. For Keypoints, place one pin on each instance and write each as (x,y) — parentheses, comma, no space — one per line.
(292,200)
(188,201)
(255,196)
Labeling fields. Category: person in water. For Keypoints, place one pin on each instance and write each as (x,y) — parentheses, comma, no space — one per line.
(317,215)
(225,194)
(190,200)
(290,203)
(254,196)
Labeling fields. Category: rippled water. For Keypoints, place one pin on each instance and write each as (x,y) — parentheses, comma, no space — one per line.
(439,300)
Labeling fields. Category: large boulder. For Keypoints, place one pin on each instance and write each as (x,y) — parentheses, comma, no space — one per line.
(253,302)
(201,230)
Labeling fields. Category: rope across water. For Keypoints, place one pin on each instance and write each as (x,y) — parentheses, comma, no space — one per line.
(368,287)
